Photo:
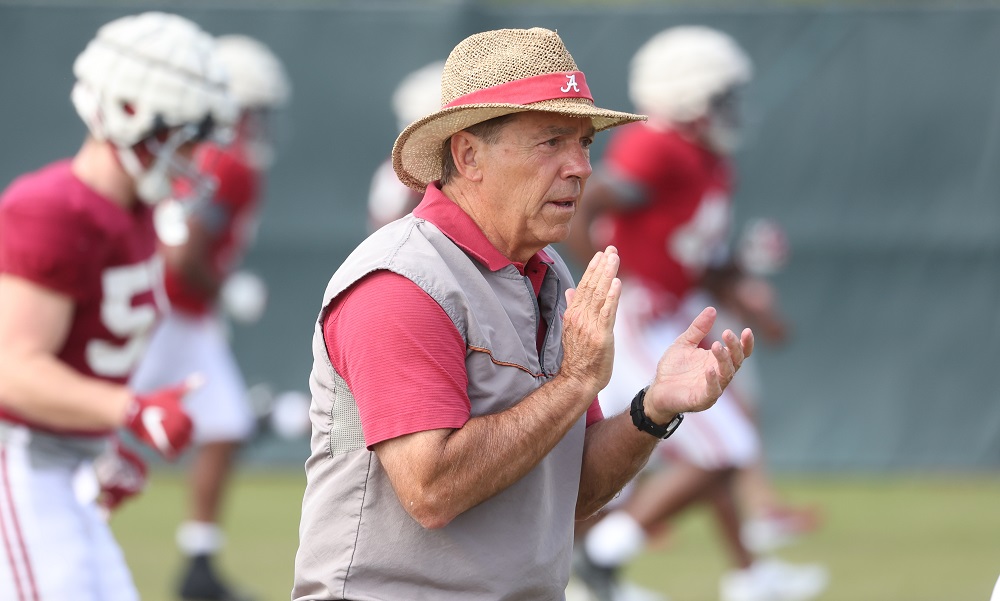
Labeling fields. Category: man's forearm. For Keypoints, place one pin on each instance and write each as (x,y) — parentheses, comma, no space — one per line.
(614,452)
(438,478)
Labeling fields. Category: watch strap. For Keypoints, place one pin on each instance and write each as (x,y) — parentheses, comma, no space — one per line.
(642,422)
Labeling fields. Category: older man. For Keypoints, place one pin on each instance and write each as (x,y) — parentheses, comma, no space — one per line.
(456,433)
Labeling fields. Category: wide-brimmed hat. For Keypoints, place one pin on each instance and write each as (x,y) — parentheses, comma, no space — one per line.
(491,74)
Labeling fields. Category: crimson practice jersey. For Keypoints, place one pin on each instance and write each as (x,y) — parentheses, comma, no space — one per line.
(681,224)
(230,217)
(58,233)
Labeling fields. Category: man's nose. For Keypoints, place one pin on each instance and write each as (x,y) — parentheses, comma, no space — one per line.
(578,163)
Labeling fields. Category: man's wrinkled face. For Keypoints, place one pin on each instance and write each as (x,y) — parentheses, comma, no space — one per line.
(533,177)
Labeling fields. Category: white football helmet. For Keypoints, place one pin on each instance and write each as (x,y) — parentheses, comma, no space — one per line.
(257,78)
(418,94)
(684,73)
(259,84)
(152,79)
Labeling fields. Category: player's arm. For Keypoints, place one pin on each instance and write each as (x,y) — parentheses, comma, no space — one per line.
(602,194)
(752,298)
(720,280)
(439,474)
(740,283)
(193,259)
(34,383)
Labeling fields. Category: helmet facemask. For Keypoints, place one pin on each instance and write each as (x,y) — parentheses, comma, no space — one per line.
(154,183)
(260,87)
(257,137)
(723,134)
(149,84)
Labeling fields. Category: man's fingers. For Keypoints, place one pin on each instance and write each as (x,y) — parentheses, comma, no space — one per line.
(608,274)
(592,291)
(609,311)
(727,367)
(699,328)
(747,340)
(713,384)
(585,285)
(734,346)
(605,271)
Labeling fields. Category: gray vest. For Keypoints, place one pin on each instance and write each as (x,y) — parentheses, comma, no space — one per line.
(356,540)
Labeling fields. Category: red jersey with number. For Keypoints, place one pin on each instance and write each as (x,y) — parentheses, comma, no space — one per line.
(230,218)
(58,233)
(680,222)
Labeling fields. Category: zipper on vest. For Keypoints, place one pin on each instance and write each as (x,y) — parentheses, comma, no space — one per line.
(538,322)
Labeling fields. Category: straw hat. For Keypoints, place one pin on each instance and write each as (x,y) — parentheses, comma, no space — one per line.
(491,74)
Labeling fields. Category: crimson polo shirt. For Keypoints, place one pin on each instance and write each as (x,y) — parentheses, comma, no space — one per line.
(397,349)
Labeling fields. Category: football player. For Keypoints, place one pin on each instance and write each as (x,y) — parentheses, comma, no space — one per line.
(417,95)
(662,197)
(79,291)
(204,239)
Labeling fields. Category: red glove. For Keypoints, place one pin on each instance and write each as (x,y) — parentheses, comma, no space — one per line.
(159,420)
(121,474)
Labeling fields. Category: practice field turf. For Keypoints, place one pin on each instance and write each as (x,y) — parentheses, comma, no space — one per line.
(886,538)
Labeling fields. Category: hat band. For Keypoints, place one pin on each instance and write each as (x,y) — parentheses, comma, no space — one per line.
(548,86)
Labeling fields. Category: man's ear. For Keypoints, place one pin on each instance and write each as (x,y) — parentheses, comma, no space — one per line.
(465,149)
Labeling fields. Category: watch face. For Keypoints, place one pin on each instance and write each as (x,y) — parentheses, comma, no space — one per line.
(673,424)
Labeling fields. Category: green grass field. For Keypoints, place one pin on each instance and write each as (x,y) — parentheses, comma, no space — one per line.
(886,538)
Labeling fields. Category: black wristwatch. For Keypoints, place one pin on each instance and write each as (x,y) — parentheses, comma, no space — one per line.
(647,425)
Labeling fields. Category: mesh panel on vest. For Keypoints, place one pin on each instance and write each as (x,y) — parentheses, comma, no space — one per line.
(345,423)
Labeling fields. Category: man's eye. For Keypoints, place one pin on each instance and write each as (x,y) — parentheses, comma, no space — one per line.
(552,143)
(586,142)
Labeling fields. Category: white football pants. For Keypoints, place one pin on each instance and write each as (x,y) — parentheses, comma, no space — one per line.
(722,436)
(186,344)
(53,546)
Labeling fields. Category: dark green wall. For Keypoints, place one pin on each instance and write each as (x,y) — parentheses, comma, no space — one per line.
(872,137)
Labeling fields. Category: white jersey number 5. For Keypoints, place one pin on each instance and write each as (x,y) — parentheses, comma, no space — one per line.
(125,320)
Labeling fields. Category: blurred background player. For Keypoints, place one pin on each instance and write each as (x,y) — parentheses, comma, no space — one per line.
(416,96)
(79,288)
(204,238)
(662,197)
(769,523)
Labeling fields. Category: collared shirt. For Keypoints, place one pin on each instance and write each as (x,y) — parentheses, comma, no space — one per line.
(397,349)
